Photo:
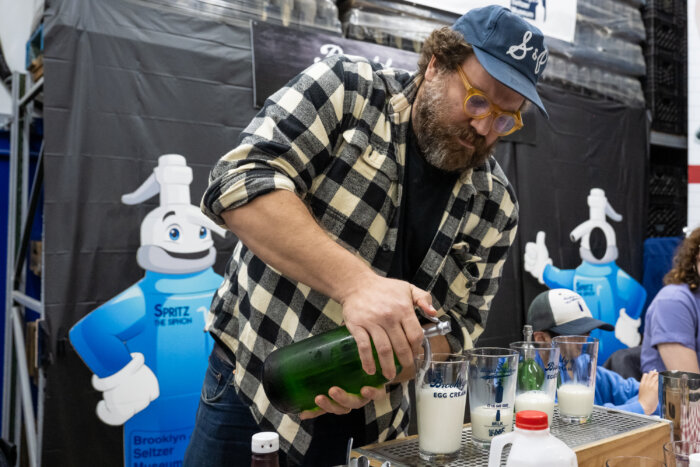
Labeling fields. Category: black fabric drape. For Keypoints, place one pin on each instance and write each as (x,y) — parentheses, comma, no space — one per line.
(126,83)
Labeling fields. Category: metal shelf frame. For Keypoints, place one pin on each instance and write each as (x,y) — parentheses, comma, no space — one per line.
(669,140)
(18,407)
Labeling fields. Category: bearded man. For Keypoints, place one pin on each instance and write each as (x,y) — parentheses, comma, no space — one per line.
(359,194)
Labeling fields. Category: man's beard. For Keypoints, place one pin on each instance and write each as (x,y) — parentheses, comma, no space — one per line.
(437,135)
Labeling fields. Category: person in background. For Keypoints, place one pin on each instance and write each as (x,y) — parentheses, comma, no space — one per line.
(359,193)
(671,339)
(559,312)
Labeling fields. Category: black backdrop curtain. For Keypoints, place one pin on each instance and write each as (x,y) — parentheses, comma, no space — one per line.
(127,82)
(553,164)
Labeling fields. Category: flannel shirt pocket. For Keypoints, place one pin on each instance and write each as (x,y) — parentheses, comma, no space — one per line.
(465,263)
(372,161)
(360,175)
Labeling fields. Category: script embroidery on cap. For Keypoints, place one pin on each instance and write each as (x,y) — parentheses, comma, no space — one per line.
(520,51)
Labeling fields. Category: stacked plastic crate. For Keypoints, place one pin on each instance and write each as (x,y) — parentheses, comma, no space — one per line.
(319,15)
(667,198)
(666,86)
(606,58)
(395,24)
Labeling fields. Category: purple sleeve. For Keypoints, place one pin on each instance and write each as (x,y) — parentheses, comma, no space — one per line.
(674,321)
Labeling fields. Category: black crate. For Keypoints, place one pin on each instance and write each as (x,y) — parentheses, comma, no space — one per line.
(665,72)
(666,220)
(665,34)
(673,10)
(668,110)
(668,183)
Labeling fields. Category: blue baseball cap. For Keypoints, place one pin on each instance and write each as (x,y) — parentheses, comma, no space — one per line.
(508,47)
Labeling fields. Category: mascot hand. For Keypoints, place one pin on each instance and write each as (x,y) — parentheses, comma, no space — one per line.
(536,257)
(126,392)
(626,329)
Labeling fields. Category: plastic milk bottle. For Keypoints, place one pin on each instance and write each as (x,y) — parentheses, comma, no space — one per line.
(532,444)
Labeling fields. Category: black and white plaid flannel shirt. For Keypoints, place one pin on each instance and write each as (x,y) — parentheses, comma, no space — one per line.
(336,136)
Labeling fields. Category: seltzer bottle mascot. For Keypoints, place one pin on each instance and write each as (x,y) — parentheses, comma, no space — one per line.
(148,347)
(611,294)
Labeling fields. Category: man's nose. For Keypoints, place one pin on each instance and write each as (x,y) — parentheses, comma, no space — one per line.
(482,125)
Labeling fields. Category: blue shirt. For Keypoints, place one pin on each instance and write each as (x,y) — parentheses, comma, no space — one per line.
(616,392)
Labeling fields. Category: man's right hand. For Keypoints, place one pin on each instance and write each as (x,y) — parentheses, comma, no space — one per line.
(380,310)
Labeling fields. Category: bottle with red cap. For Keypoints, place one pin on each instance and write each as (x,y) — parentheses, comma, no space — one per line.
(532,444)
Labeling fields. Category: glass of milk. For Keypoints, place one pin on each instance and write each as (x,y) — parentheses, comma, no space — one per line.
(677,453)
(492,381)
(441,399)
(578,357)
(538,368)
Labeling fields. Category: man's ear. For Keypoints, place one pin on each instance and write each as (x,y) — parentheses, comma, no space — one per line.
(431,70)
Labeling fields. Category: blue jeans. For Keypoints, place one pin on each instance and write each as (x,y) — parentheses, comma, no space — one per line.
(224,427)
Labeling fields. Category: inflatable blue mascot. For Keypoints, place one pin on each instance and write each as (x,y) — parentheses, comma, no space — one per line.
(611,294)
(148,346)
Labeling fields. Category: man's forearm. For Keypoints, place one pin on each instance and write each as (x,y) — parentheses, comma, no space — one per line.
(279,229)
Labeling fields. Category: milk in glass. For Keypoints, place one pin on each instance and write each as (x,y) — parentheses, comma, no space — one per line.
(440,419)
(575,400)
(488,421)
(535,400)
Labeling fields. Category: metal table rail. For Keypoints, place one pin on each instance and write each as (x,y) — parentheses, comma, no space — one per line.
(605,424)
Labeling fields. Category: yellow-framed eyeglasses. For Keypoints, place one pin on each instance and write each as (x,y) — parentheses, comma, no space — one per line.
(476,105)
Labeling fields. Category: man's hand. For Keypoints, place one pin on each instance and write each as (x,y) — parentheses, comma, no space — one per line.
(649,391)
(340,402)
(536,257)
(382,311)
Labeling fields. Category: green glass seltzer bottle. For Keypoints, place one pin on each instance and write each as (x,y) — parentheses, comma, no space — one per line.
(530,374)
(294,375)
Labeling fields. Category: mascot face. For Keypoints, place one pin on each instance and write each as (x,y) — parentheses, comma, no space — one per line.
(176,239)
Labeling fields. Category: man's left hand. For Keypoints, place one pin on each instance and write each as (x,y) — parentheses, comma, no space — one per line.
(339,402)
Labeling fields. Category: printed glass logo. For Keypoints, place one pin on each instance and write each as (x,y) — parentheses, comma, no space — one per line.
(502,371)
(436,382)
(551,370)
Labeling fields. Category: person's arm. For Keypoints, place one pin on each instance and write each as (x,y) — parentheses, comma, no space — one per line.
(678,357)
(645,402)
(631,405)
(279,229)
(672,328)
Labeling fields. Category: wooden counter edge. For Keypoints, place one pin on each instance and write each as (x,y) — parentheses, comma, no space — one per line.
(645,441)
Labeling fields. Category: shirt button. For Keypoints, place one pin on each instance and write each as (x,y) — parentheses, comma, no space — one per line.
(385,247)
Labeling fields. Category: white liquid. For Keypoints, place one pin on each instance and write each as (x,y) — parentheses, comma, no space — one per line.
(535,400)
(484,424)
(575,400)
(440,419)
